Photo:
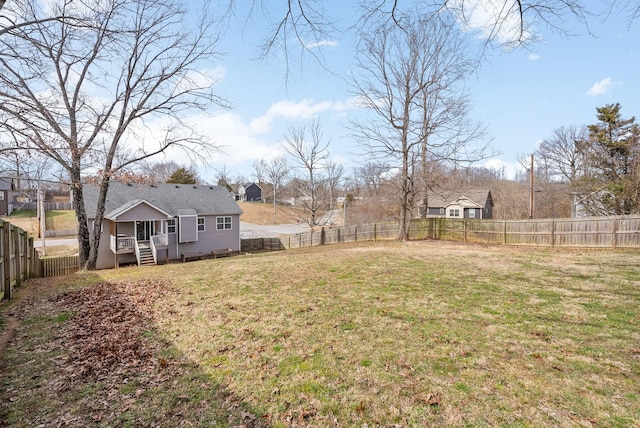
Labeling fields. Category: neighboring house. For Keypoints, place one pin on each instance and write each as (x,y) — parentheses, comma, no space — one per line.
(477,204)
(249,193)
(6,195)
(598,203)
(151,223)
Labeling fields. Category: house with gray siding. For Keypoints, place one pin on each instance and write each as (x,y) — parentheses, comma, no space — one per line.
(250,192)
(470,203)
(156,223)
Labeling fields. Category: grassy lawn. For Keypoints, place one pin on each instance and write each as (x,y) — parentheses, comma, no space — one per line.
(55,219)
(382,334)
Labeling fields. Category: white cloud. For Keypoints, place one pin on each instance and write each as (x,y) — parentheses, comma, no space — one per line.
(534,57)
(509,169)
(244,141)
(292,110)
(304,109)
(492,19)
(321,43)
(602,87)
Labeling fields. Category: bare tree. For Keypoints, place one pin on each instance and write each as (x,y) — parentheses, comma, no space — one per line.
(159,172)
(309,153)
(275,170)
(78,90)
(412,79)
(334,173)
(373,174)
(564,153)
(507,23)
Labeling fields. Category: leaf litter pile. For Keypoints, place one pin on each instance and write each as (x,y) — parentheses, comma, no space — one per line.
(105,364)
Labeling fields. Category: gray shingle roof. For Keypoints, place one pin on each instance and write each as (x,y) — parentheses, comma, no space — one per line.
(172,198)
(442,198)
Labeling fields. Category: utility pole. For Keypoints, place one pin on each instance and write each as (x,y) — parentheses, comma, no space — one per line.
(532,190)
(43,219)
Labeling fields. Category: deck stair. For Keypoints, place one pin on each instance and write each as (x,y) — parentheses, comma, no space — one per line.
(146,255)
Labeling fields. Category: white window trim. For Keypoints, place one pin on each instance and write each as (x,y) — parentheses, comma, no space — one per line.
(171,220)
(222,226)
(201,223)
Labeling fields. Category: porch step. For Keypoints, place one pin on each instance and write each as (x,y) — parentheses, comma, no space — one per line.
(146,256)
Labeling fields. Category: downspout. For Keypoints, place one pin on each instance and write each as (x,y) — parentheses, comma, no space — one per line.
(177,237)
(116,255)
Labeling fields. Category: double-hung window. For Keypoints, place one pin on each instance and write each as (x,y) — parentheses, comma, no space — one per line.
(223,223)
(201,224)
(171,225)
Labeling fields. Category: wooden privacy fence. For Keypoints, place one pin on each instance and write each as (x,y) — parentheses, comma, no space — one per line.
(18,259)
(592,232)
(54,266)
(47,206)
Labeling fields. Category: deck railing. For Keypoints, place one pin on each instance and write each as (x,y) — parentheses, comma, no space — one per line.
(123,244)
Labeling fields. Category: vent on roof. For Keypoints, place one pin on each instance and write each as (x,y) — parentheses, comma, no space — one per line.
(177,187)
(129,184)
(211,187)
(153,185)
(195,187)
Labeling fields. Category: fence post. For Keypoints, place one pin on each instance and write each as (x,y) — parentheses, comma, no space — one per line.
(464,228)
(16,257)
(375,232)
(553,232)
(504,232)
(6,260)
(615,232)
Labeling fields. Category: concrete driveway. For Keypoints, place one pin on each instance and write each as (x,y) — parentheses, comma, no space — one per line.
(249,230)
(54,242)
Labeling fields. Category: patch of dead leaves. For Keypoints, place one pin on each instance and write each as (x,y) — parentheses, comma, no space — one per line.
(104,337)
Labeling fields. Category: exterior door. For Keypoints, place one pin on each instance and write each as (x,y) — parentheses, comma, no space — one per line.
(144,230)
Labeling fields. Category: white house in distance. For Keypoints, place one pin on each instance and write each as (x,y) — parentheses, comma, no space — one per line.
(154,223)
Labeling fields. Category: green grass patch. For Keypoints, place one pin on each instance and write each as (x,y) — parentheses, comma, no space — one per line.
(413,334)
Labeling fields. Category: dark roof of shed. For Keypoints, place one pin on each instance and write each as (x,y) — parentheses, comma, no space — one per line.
(172,198)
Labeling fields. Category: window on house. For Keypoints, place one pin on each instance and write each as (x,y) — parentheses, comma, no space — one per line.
(441,210)
(472,213)
(454,212)
(1,196)
(223,223)
(171,225)
(200,224)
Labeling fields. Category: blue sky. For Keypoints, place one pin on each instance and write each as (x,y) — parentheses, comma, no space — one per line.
(521,95)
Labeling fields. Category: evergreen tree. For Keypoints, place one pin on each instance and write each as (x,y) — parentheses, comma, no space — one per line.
(182,176)
(613,151)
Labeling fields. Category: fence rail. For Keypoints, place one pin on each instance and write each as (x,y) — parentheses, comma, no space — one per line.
(47,206)
(593,232)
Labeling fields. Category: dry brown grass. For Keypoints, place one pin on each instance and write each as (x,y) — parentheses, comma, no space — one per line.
(261,213)
(382,334)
